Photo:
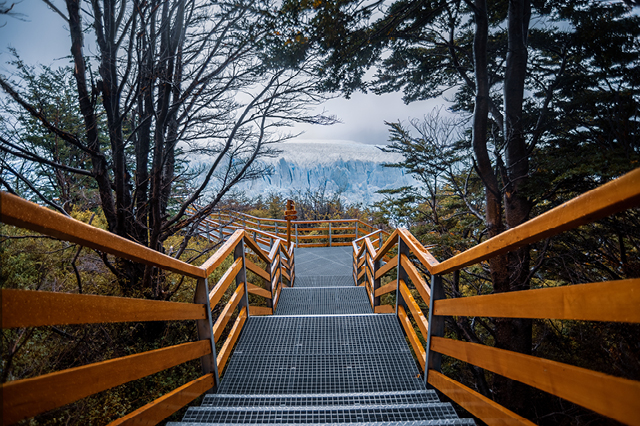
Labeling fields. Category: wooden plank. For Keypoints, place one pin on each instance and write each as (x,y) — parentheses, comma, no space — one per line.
(391,241)
(387,288)
(227,312)
(361,261)
(275,248)
(29,397)
(371,250)
(275,264)
(418,316)
(313,237)
(259,310)
(254,289)
(610,198)
(413,337)
(25,214)
(617,301)
(284,274)
(480,406)
(255,247)
(416,278)
(361,273)
(392,263)
(608,395)
(257,270)
(275,279)
(225,352)
(28,308)
(384,309)
(158,410)
(314,245)
(216,293)
(219,256)
(418,250)
(339,243)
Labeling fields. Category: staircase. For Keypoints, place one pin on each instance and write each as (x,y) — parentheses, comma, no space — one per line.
(323,358)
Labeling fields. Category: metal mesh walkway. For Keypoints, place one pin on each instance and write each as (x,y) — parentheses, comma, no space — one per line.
(324,358)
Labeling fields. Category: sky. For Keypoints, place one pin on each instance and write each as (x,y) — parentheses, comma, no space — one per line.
(40,37)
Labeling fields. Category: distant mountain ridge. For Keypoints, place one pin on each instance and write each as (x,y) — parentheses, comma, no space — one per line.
(353,169)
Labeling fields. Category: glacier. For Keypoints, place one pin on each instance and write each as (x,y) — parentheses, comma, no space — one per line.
(355,170)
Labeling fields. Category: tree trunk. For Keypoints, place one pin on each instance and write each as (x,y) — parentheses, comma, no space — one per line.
(515,334)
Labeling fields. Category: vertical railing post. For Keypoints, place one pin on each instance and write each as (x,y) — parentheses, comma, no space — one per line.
(376,283)
(220,226)
(436,328)
(379,239)
(205,332)
(402,275)
(296,235)
(329,234)
(241,278)
(206,224)
(356,222)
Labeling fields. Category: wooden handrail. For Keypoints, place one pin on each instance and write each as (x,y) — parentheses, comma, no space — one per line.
(608,395)
(609,301)
(617,301)
(29,397)
(28,308)
(19,212)
(610,198)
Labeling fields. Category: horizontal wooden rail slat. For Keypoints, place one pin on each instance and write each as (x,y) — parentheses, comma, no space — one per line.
(418,250)
(25,214)
(158,410)
(391,241)
(254,247)
(26,398)
(227,312)
(387,288)
(384,309)
(313,245)
(610,198)
(392,263)
(225,352)
(216,293)
(284,274)
(418,316)
(257,270)
(608,395)
(416,278)
(413,337)
(28,308)
(617,301)
(254,289)
(259,310)
(475,403)
(219,256)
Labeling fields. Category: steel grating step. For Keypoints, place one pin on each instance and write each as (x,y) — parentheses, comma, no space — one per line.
(322,335)
(318,400)
(309,415)
(441,422)
(305,374)
(323,301)
(324,261)
(324,281)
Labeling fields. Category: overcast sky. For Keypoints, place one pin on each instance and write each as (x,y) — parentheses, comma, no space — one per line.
(41,37)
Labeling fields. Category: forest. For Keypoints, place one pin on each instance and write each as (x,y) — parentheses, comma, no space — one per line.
(542,105)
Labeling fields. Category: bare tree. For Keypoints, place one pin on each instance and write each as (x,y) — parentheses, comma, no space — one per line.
(174,79)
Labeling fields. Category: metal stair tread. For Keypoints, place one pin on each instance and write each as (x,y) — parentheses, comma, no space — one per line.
(288,415)
(316,400)
(439,422)
(324,300)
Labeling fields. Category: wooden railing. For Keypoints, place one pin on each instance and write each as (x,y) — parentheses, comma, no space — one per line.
(26,398)
(305,233)
(617,301)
